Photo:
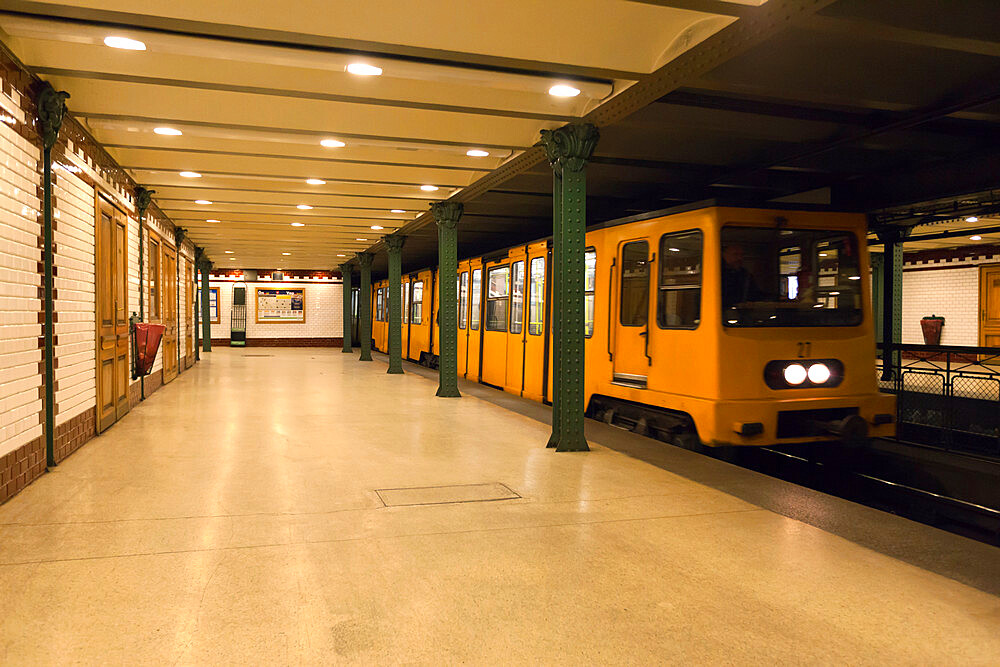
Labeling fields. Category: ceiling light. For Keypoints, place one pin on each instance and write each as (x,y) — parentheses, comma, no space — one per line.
(167,131)
(124,43)
(286,253)
(475,152)
(377,228)
(298,224)
(360,239)
(304,207)
(562,90)
(232,259)
(190,174)
(203,202)
(429,188)
(229,252)
(977,237)
(315,181)
(972,218)
(364,69)
(211,220)
(332,143)
(397,210)
(341,255)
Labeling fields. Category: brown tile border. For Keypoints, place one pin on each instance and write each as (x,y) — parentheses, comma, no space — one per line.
(72,435)
(21,467)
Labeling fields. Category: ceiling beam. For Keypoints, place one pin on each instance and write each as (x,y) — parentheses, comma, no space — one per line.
(706,6)
(884,32)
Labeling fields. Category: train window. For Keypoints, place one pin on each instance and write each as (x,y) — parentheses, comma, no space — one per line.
(417,303)
(634,300)
(678,299)
(477,290)
(406,302)
(497,298)
(463,299)
(780,277)
(589,283)
(378,305)
(536,296)
(516,297)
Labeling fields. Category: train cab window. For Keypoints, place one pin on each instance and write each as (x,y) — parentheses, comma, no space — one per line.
(635,284)
(516,297)
(536,296)
(477,290)
(463,299)
(406,302)
(779,277)
(417,303)
(497,298)
(589,285)
(678,299)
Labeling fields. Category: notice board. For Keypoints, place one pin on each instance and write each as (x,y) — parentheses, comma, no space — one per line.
(286,304)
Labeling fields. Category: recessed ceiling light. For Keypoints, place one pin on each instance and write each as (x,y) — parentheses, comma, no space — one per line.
(167,131)
(203,202)
(211,220)
(972,218)
(475,152)
(364,69)
(977,237)
(298,224)
(429,188)
(304,207)
(229,252)
(315,181)
(286,254)
(341,255)
(332,143)
(360,239)
(232,259)
(397,210)
(190,174)
(124,43)
(562,90)
(377,228)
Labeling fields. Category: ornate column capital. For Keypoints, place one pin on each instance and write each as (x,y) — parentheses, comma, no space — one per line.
(570,146)
(892,234)
(346,267)
(179,235)
(51,109)
(365,260)
(394,242)
(205,264)
(143,198)
(447,213)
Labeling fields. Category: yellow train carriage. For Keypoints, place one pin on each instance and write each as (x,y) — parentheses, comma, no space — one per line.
(380,315)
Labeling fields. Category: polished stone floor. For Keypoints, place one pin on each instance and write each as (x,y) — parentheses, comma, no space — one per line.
(237,516)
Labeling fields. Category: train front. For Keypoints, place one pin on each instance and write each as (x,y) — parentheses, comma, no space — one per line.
(796,336)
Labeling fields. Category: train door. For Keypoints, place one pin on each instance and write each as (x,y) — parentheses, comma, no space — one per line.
(404,351)
(475,319)
(463,317)
(630,325)
(534,340)
(417,339)
(514,381)
(435,297)
(494,340)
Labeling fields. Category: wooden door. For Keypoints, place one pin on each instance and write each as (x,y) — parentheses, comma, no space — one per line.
(112,315)
(630,325)
(189,315)
(168,282)
(989,305)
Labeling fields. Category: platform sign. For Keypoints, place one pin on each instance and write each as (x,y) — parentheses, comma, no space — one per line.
(213,304)
(286,305)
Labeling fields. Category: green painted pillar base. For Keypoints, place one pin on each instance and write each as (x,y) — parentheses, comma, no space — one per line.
(364,306)
(568,149)
(345,272)
(394,244)
(447,215)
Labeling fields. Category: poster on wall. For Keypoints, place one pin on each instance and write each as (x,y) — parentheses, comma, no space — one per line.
(213,304)
(286,305)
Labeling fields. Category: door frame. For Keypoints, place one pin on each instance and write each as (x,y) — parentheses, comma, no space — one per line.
(123,401)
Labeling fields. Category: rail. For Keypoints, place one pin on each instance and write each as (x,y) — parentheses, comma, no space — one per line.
(947,395)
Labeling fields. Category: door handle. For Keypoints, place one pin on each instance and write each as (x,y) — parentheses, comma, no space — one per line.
(645,339)
(611,314)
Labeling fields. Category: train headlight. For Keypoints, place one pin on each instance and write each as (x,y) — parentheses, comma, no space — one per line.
(795,374)
(819,373)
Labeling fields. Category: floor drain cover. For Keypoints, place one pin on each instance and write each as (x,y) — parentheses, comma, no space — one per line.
(442,495)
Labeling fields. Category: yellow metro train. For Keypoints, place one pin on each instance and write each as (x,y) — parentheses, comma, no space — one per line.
(713,325)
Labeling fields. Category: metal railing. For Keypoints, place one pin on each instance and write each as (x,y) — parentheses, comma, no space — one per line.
(947,395)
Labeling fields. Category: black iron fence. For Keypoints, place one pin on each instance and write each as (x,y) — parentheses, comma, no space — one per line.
(947,395)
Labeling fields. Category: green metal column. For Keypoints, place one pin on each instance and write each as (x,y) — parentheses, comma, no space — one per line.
(365,305)
(447,215)
(206,314)
(394,244)
(555,314)
(143,198)
(892,299)
(876,261)
(198,254)
(51,108)
(345,272)
(571,146)
(179,234)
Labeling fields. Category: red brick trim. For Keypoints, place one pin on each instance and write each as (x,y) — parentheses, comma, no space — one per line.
(21,467)
(72,435)
(285,342)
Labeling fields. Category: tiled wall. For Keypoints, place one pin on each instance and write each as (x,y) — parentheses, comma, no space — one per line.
(324,311)
(20,282)
(951,293)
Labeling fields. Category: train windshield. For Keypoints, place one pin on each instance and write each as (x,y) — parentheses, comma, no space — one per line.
(774,277)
